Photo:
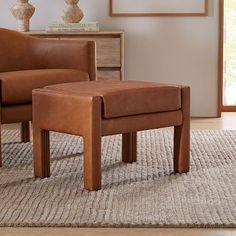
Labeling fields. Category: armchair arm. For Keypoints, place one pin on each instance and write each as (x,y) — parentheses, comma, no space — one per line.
(65,54)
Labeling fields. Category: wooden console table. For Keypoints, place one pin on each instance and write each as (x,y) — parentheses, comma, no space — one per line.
(110,49)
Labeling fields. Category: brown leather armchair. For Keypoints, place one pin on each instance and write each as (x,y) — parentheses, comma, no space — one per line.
(27,63)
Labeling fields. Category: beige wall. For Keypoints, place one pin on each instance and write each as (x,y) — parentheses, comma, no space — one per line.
(171,50)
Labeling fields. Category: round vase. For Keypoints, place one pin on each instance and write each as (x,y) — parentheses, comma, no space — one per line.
(72,13)
(23,11)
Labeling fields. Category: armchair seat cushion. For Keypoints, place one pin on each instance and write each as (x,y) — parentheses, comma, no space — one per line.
(17,86)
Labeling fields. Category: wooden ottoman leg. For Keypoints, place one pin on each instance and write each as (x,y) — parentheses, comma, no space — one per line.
(92,146)
(25,132)
(129,147)
(92,162)
(41,153)
(182,136)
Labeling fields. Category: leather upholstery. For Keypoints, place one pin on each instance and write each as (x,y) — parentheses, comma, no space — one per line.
(17,86)
(22,52)
(28,62)
(127,98)
(88,109)
(17,113)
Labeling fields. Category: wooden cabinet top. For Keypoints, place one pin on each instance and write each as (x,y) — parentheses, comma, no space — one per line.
(107,33)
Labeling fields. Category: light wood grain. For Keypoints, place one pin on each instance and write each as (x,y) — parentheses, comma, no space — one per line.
(105,75)
(108,50)
(103,33)
(226,122)
(114,232)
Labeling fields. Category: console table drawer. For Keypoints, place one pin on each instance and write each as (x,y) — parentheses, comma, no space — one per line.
(104,75)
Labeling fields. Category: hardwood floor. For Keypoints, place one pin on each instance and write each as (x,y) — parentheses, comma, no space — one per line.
(113,232)
(228,121)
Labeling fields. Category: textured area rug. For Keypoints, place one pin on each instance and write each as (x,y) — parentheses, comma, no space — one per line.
(143,194)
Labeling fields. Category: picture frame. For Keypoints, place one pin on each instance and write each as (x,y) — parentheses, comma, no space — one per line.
(157,8)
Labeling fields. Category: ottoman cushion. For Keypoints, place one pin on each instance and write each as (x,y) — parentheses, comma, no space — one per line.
(127,98)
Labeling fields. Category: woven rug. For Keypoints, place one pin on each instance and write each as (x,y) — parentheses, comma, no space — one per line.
(143,194)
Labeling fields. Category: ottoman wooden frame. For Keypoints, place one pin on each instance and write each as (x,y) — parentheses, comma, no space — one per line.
(82,114)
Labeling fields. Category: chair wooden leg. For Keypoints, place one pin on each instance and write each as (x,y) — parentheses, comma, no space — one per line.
(0,147)
(41,146)
(25,132)
(182,136)
(129,147)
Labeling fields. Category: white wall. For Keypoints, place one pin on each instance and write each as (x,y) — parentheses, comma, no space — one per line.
(180,50)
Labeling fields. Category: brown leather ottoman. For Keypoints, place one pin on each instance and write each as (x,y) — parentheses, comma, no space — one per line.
(98,108)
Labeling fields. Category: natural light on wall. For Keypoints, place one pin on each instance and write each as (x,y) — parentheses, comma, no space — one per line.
(229,98)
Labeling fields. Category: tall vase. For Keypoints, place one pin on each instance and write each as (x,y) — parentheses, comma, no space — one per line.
(72,13)
(23,11)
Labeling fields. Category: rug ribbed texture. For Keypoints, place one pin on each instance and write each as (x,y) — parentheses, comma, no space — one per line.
(143,194)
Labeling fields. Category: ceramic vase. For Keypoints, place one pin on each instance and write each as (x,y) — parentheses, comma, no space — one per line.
(23,11)
(72,13)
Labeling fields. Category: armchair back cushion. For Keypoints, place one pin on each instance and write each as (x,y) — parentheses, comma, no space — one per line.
(22,52)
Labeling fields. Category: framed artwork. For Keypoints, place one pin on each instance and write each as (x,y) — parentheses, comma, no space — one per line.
(129,8)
